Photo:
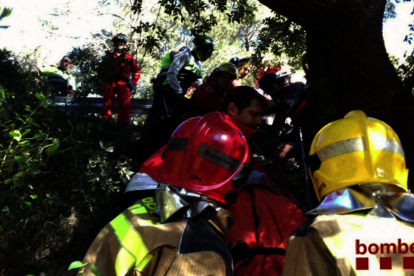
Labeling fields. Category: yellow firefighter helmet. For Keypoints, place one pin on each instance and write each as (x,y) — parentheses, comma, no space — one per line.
(229,68)
(356,150)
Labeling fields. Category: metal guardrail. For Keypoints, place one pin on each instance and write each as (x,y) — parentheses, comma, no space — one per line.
(138,107)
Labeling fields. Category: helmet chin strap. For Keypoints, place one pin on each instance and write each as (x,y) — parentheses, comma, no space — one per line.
(195,53)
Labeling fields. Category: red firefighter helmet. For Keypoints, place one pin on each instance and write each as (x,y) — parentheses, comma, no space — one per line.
(206,155)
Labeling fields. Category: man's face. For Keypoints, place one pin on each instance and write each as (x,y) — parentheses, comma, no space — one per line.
(286,83)
(225,80)
(66,63)
(119,45)
(250,117)
(305,67)
(244,72)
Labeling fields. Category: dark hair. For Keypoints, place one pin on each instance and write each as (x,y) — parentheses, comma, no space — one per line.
(242,97)
(304,58)
(184,106)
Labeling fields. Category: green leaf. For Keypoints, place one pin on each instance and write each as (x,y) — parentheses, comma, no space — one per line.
(21,158)
(28,107)
(15,134)
(102,144)
(6,209)
(50,150)
(6,12)
(7,181)
(56,143)
(110,149)
(33,196)
(95,271)
(25,132)
(76,264)
(40,96)
(31,187)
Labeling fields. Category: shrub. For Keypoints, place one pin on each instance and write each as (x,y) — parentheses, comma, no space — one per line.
(60,175)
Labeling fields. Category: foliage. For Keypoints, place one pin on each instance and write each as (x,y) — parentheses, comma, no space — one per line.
(60,175)
(282,37)
(5,13)
(278,35)
(405,71)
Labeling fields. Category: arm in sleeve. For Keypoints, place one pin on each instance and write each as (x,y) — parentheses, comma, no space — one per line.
(282,108)
(48,73)
(309,256)
(177,64)
(136,72)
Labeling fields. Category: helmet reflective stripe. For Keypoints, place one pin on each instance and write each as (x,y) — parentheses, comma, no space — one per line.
(133,249)
(218,158)
(358,144)
(390,145)
(342,147)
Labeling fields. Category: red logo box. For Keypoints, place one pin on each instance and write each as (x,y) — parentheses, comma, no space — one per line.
(385,263)
(362,263)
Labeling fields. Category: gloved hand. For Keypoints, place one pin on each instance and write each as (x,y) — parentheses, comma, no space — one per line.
(130,84)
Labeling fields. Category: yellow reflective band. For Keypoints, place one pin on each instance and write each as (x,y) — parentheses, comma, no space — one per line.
(138,209)
(341,147)
(140,267)
(124,262)
(133,248)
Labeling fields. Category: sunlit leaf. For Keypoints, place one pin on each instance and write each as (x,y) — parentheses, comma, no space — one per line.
(76,264)
(40,96)
(15,134)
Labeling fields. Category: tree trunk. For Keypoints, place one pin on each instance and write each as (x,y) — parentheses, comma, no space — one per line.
(349,65)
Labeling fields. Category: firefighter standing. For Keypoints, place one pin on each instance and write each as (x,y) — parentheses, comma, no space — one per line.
(365,217)
(120,74)
(179,71)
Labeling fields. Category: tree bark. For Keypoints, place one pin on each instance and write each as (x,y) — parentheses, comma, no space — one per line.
(349,65)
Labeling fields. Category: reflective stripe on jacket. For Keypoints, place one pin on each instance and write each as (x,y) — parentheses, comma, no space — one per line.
(135,243)
(182,70)
(59,80)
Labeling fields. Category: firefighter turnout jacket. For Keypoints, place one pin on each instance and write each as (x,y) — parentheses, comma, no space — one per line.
(135,243)
(179,70)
